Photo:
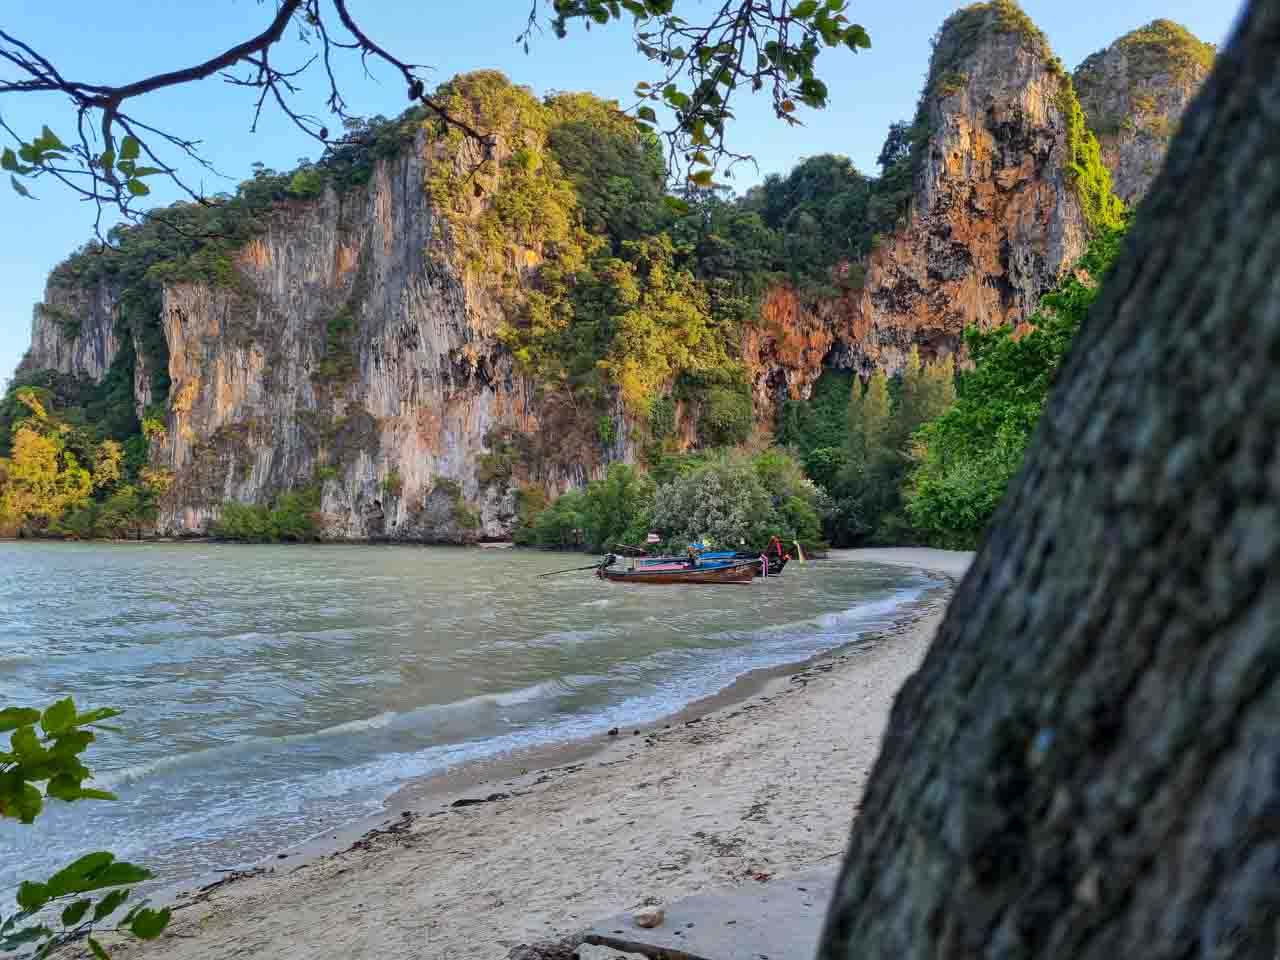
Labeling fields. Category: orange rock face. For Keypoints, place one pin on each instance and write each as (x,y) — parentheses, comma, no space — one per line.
(993,225)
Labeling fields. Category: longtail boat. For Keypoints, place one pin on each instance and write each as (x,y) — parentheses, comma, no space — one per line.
(768,562)
(679,572)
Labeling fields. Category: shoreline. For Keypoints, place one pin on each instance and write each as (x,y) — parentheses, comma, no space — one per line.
(514,788)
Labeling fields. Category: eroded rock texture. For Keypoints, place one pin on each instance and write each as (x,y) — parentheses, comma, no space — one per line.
(993,224)
(1133,94)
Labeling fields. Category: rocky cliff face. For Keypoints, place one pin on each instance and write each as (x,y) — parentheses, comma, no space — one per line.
(73,331)
(1134,93)
(352,354)
(993,223)
(355,355)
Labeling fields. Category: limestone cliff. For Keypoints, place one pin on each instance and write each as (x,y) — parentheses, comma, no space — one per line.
(73,331)
(993,220)
(351,352)
(358,342)
(1133,94)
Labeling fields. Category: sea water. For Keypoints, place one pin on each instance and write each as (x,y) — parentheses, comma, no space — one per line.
(275,692)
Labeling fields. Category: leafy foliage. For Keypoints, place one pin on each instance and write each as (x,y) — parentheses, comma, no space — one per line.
(965,458)
(606,512)
(1103,210)
(818,422)
(62,477)
(45,748)
(819,213)
(699,67)
(292,516)
(727,497)
(732,499)
(858,447)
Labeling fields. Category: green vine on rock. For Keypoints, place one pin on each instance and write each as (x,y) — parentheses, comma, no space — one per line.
(1087,174)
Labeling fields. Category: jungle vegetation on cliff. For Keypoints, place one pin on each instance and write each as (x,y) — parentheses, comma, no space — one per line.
(620,301)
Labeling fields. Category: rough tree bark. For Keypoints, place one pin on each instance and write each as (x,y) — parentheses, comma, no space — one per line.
(1087,765)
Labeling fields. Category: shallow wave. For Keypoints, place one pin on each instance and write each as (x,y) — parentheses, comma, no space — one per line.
(420,718)
(877,610)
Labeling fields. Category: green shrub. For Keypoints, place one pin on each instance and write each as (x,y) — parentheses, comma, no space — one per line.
(662,418)
(531,501)
(306,182)
(726,417)
(291,516)
(606,430)
(732,499)
(1088,175)
(561,524)
(966,457)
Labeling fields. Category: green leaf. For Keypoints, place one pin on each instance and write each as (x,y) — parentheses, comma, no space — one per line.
(804,9)
(51,141)
(114,875)
(63,787)
(26,744)
(8,161)
(149,924)
(700,157)
(106,162)
(676,204)
(856,38)
(98,951)
(702,178)
(19,188)
(66,786)
(58,717)
(646,113)
(108,904)
(130,149)
(13,717)
(91,794)
(137,188)
(32,895)
(71,743)
(25,807)
(71,877)
(72,914)
(93,716)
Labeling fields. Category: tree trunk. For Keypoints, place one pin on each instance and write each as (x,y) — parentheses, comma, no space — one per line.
(1088,762)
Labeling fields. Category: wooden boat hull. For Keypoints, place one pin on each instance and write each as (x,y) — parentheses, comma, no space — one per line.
(736,573)
(776,564)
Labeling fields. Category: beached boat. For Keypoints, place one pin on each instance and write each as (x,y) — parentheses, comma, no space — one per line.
(769,562)
(679,572)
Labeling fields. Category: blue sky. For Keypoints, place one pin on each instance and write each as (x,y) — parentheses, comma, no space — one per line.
(88,40)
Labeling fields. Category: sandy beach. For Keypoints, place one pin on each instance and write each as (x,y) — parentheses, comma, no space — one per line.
(759,788)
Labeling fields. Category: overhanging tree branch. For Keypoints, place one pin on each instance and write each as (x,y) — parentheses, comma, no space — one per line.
(700,67)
